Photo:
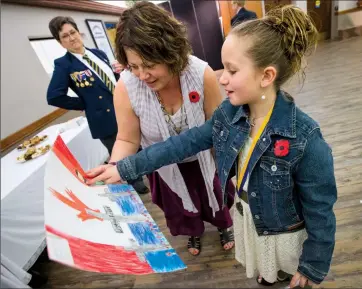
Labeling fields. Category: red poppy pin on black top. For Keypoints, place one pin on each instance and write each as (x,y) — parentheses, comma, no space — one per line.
(281,148)
(194,96)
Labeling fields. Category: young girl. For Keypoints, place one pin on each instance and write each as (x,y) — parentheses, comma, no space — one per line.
(284,220)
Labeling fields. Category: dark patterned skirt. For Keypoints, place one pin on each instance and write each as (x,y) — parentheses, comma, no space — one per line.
(182,222)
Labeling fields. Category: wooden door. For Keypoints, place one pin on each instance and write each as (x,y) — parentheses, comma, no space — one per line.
(320,11)
(227,12)
(270,4)
(255,6)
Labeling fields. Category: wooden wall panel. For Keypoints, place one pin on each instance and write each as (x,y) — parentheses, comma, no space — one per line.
(30,129)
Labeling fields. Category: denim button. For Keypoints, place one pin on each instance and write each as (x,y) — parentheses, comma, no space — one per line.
(264,139)
(257,217)
(265,232)
(253,194)
(274,168)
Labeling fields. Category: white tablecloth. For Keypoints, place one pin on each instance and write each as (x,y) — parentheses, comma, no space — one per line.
(22,192)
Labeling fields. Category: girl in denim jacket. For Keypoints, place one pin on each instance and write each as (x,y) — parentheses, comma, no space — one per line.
(284,222)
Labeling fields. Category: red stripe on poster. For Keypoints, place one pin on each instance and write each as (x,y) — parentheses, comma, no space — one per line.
(69,161)
(103,258)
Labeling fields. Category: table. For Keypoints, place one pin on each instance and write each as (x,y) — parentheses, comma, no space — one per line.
(22,196)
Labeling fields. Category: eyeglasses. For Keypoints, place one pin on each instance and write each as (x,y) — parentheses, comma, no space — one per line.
(67,36)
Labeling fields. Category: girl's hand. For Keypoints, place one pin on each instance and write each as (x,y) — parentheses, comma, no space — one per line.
(107,174)
(97,171)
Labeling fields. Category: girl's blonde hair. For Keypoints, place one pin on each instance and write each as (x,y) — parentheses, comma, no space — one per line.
(282,38)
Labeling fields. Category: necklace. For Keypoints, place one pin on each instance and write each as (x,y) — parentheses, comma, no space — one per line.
(252,120)
(168,116)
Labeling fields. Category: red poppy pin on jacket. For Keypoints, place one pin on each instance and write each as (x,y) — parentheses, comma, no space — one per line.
(281,148)
(194,96)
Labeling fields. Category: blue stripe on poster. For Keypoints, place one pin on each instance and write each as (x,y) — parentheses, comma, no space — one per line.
(128,206)
(120,188)
(164,261)
(143,234)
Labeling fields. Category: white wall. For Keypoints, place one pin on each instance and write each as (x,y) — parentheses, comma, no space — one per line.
(342,4)
(346,4)
(349,20)
(24,81)
(301,4)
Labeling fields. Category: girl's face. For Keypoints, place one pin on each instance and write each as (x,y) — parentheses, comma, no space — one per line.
(240,78)
(156,76)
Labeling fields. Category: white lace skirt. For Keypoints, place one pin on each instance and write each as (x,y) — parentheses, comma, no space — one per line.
(265,255)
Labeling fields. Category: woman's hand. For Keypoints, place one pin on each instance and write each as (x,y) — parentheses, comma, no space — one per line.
(300,280)
(104,173)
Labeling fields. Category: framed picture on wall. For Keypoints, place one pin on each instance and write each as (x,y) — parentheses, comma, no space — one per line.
(99,35)
(111,32)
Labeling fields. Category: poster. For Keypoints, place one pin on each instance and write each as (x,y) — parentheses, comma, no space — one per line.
(100,38)
(100,228)
(111,29)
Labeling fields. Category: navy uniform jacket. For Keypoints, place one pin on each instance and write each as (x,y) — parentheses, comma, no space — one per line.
(95,99)
(242,15)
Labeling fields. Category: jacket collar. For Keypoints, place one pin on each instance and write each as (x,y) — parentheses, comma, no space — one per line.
(241,10)
(283,118)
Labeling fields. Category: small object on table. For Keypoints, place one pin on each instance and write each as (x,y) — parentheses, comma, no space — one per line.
(33,153)
(32,142)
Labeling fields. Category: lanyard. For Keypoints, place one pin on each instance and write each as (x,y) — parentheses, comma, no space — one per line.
(245,170)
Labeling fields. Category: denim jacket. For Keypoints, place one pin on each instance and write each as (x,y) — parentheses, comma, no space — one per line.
(285,193)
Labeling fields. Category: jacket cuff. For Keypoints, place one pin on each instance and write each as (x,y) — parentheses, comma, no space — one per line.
(126,170)
(312,274)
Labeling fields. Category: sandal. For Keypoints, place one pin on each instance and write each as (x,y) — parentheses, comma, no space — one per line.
(283,276)
(260,280)
(226,236)
(194,243)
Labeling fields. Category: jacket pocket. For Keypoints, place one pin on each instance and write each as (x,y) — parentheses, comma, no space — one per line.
(276,173)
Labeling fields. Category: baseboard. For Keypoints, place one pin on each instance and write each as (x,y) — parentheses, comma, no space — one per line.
(351,32)
(30,129)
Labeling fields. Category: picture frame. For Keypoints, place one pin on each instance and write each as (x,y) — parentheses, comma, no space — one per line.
(111,28)
(100,38)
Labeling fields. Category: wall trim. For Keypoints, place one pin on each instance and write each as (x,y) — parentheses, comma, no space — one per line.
(30,129)
(350,32)
(78,5)
(345,11)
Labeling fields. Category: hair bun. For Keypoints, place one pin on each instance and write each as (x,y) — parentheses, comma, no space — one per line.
(299,35)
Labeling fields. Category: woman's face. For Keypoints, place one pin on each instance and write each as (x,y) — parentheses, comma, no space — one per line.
(70,38)
(156,76)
